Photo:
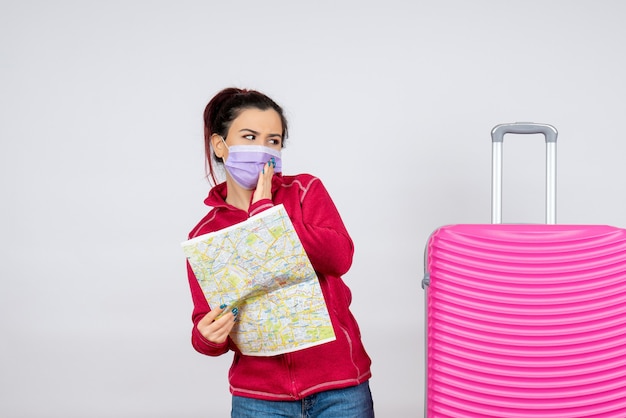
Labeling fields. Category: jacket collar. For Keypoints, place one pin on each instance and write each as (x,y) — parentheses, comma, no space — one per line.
(217,195)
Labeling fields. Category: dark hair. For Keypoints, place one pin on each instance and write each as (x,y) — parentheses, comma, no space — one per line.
(224,107)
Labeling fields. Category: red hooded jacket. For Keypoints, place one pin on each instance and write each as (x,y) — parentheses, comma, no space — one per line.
(333,365)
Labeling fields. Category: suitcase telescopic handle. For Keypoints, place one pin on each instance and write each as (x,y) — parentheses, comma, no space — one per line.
(497,138)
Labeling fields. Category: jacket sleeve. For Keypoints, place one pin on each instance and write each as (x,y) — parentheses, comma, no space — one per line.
(200,309)
(322,231)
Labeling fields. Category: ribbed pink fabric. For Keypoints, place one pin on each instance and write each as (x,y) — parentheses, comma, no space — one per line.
(526,321)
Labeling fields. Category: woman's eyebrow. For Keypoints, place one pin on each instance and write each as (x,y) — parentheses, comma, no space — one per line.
(252,131)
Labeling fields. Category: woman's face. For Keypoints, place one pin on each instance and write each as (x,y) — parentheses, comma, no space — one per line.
(255,127)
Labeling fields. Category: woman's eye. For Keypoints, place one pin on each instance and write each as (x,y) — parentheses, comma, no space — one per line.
(250,137)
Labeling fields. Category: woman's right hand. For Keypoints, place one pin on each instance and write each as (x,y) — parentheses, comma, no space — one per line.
(217,330)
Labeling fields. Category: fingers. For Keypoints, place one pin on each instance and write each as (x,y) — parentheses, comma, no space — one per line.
(270,165)
(217,324)
(211,316)
(221,328)
(264,184)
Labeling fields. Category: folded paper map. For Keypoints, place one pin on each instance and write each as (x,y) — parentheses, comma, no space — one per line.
(259,266)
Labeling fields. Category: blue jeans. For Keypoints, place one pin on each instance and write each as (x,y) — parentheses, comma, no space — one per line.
(352,402)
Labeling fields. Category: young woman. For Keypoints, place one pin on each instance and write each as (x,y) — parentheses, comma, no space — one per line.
(245,131)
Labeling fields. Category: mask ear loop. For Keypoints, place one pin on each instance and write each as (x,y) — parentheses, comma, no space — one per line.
(227,147)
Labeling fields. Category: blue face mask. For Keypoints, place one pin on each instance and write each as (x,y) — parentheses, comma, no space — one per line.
(245,162)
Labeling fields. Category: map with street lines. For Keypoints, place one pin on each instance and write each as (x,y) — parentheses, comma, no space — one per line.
(260,267)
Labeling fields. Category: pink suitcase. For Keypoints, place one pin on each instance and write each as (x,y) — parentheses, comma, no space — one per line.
(525,320)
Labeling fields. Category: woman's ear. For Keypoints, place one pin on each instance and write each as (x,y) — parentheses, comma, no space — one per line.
(218,145)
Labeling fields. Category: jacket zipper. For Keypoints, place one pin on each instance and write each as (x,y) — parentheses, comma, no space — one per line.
(291,377)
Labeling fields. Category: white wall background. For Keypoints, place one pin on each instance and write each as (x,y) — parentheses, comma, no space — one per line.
(391,104)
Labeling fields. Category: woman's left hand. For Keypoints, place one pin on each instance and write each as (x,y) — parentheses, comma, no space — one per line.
(264,184)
